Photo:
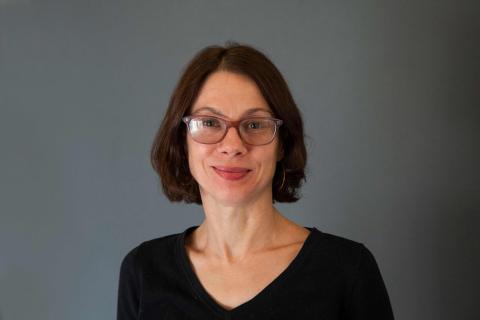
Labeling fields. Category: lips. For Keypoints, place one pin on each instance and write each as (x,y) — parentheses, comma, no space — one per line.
(231,169)
(231,173)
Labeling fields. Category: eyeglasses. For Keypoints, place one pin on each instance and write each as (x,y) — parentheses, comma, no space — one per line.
(255,131)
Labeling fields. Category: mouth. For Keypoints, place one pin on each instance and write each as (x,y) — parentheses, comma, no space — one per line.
(231,173)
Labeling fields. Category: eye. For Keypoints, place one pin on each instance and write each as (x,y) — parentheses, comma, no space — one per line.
(256,124)
(210,122)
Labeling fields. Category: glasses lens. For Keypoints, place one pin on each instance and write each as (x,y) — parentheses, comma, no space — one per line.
(206,129)
(258,131)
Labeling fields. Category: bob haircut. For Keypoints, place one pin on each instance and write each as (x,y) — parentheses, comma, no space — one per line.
(168,154)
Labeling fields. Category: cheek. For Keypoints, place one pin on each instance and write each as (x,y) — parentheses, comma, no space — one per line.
(269,160)
(196,154)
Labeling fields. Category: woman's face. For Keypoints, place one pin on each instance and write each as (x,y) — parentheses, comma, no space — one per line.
(231,172)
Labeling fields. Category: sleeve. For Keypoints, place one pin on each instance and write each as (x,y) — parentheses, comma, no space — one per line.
(368,298)
(128,300)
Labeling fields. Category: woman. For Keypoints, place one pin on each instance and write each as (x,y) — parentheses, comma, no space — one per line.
(232,141)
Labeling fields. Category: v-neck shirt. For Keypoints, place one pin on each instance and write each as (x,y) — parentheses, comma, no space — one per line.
(330,278)
(200,290)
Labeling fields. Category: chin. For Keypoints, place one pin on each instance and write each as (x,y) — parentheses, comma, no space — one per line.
(234,196)
(231,198)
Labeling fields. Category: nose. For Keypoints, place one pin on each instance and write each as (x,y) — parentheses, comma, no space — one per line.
(232,144)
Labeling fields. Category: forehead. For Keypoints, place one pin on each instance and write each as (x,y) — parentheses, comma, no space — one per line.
(230,94)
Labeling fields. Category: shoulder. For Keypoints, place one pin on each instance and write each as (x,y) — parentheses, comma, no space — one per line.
(328,242)
(152,253)
(340,253)
(353,265)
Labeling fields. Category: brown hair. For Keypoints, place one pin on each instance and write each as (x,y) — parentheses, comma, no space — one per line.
(168,154)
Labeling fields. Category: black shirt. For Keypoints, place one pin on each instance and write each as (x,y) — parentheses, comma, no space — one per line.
(330,278)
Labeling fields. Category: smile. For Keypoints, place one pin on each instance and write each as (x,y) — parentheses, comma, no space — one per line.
(231,173)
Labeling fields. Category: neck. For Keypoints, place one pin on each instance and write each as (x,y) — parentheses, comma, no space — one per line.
(231,233)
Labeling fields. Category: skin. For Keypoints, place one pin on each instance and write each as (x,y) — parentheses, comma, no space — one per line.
(244,242)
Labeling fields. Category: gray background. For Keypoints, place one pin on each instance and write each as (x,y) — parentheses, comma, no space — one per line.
(389,91)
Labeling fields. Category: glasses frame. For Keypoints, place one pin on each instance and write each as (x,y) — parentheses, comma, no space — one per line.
(233,124)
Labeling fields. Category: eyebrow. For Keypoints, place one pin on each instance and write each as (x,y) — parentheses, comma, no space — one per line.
(246,113)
